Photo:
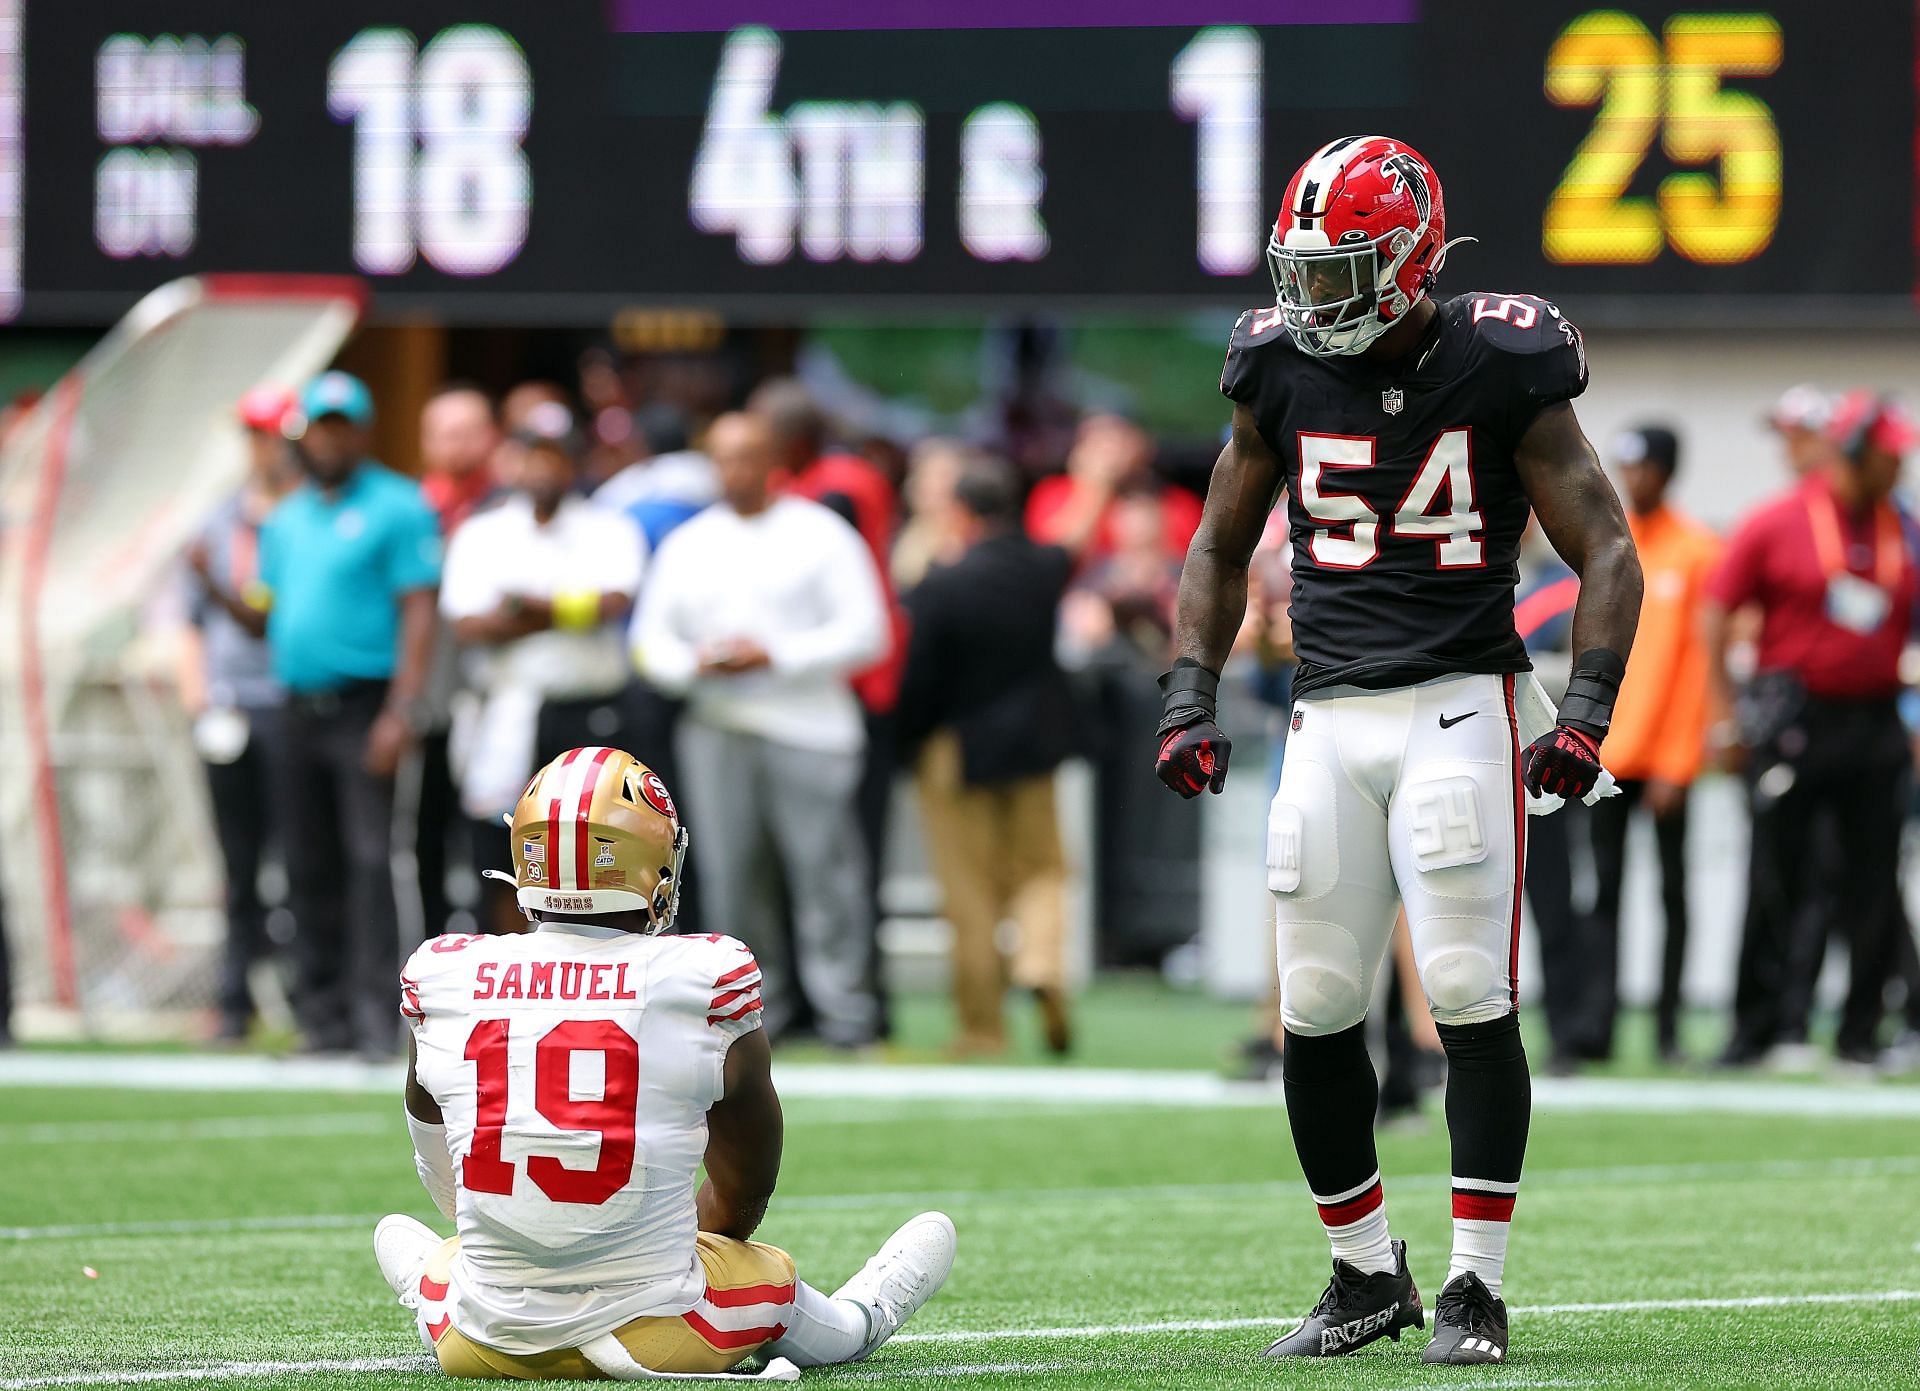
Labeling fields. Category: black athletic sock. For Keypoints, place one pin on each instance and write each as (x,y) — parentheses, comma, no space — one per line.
(1331,1097)
(1489,1103)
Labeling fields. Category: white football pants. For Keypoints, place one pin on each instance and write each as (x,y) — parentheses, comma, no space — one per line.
(1406,795)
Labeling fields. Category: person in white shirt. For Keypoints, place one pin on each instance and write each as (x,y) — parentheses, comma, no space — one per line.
(757,611)
(587,1247)
(538,589)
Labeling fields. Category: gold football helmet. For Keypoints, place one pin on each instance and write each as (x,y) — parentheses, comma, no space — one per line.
(596,832)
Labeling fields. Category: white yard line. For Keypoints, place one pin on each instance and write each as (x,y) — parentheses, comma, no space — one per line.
(219,1371)
(1632,1306)
(1279,1190)
(236,1371)
(208,1226)
(1107,1087)
(267,1127)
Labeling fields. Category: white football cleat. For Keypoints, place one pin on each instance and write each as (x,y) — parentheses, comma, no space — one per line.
(402,1246)
(907,1271)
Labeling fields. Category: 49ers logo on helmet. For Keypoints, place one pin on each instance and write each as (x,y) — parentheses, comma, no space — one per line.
(655,791)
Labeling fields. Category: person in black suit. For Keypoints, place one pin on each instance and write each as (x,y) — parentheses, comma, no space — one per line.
(989,712)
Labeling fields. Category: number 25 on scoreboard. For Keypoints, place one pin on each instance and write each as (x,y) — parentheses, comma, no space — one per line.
(1610,59)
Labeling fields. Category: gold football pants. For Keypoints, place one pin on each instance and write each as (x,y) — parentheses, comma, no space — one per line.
(748,1286)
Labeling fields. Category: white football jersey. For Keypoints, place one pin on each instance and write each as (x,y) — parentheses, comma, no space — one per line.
(574,1066)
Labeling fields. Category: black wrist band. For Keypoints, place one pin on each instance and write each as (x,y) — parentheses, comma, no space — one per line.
(1188,694)
(1588,706)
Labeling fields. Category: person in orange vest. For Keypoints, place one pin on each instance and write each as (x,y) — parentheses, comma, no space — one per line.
(1658,739)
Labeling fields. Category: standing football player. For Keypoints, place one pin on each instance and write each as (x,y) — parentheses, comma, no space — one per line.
(1412,437)
(565,1086)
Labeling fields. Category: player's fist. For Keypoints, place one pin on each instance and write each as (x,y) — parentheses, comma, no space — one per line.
(1563,762)
(1194,760)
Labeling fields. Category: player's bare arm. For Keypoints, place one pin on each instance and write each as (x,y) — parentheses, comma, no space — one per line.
(432,1161)
(744,1136)
(1581,515)
(1213,601)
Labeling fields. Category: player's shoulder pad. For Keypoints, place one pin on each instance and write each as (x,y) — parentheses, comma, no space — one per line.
(433,961)
(1257,349)
(722,973)
(734,1007)
(1538,346)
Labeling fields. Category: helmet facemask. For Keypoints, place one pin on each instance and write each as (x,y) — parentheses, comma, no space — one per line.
(1336,300)
(664,908)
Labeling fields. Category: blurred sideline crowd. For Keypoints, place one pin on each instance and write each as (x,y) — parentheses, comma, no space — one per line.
(786,624)
(781,626)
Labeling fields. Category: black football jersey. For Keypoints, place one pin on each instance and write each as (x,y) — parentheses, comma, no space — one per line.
(1403,503)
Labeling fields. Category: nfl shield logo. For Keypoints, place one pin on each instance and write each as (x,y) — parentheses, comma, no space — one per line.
(1393,400)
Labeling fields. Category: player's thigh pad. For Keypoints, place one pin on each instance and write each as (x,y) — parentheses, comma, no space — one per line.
(1452,832)
(1332,892)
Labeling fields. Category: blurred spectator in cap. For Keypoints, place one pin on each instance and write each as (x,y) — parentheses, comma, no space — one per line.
(538,590)
(988,711)
(514,407)
(1658,739)
(1110,455)
(757,611)
(864,497)
(458,440)
(227,685)
(348,565)
(666,483)
(1827,566)
(1800,418)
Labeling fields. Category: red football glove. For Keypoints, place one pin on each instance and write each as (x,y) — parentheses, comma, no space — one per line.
(1563,762)
(1194,760)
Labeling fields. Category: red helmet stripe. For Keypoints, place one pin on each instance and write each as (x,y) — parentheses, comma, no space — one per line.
(553,827)
(581,838)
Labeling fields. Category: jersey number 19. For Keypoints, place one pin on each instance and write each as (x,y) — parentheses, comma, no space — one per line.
(613,1113)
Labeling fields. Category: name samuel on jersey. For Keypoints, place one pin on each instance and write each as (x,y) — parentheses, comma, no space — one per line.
(552,980)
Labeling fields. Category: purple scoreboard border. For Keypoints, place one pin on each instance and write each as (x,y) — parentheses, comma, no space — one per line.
(710,16)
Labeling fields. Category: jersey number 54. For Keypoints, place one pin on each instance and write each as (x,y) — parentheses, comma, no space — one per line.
(1349,535)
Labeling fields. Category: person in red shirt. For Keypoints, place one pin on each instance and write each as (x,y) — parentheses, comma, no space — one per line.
(1054,504)
(458,437)
(1827,567)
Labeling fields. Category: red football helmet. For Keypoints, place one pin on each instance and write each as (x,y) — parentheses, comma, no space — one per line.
(1359,240)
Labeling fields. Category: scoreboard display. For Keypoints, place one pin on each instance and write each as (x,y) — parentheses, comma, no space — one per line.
(553,161)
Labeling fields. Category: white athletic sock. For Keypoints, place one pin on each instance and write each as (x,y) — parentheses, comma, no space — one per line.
(1482,1217)
(1480,1247)
(1356,1223)
(822,1331)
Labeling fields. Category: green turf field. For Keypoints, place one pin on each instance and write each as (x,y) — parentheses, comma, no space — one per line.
(1101,1244)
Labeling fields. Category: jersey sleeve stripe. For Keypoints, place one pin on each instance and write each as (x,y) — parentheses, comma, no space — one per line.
(746,1008)
(736,973)
(729,996)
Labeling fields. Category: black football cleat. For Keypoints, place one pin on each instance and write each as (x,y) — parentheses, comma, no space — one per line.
(1469,1324)
(1357,1308)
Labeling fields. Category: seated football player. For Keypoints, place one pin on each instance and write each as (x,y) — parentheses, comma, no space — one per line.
(564,1088)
